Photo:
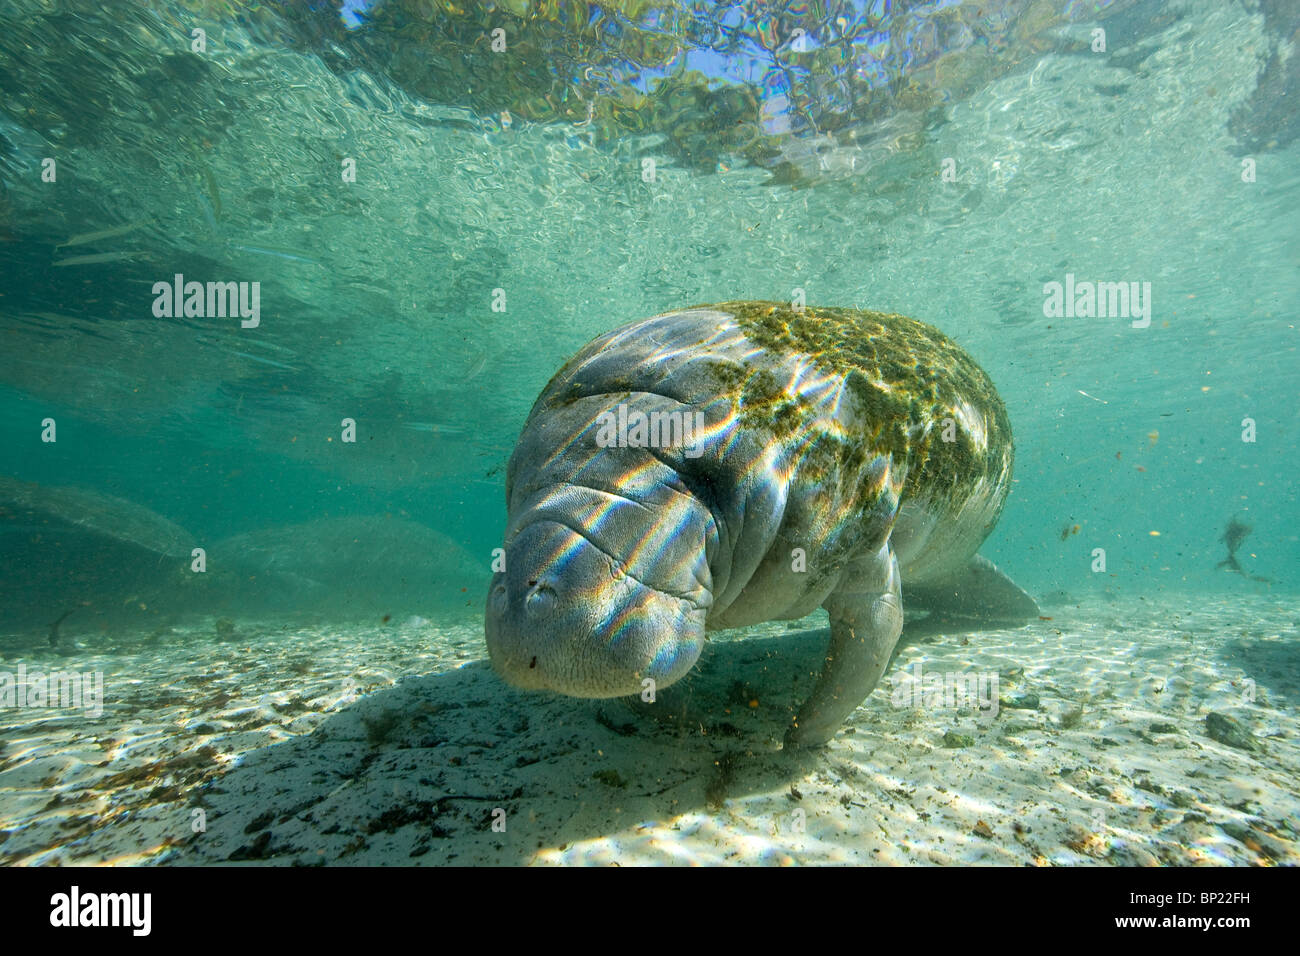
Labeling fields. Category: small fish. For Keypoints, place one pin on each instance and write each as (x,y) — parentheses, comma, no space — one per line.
(279,254)
(434,428)
(54,627)
(478,367)
(213,194)
(82,238)
(1233,535)
(99,257)
(266,361)
(209,216)
(51,317)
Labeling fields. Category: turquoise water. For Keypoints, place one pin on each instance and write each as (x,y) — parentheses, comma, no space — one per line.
(616,160)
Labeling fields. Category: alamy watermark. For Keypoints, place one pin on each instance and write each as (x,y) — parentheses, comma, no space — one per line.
(191,300)
(950,691)
(75,909)
(57,689)
(1098,300)
(635,429)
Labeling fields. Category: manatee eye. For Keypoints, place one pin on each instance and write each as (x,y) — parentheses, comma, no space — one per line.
(499,599)
(540,600)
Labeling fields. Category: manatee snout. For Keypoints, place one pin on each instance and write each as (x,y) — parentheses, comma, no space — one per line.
(564,616)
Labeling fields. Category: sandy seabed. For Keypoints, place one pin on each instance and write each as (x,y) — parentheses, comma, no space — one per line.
(288,744)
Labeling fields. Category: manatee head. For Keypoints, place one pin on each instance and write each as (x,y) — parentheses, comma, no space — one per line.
(592,607)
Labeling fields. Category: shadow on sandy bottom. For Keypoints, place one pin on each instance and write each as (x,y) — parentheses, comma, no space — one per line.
(417,773)
(1273,663)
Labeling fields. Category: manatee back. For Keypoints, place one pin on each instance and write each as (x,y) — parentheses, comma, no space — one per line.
(823,422)
(921,399)
(908,380)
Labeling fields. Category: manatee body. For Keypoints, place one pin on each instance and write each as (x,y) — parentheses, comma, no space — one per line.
(730,464)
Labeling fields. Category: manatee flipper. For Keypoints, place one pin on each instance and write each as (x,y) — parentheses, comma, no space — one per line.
(866,613)
(978,591)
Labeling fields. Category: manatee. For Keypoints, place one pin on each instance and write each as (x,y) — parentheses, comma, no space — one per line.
(70,547)
(725,465)
(31,507)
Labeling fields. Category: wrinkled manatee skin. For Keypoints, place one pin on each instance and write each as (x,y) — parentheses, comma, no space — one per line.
(837,457)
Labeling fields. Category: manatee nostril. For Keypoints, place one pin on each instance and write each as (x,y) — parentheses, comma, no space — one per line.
(540,600)
(532,665)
